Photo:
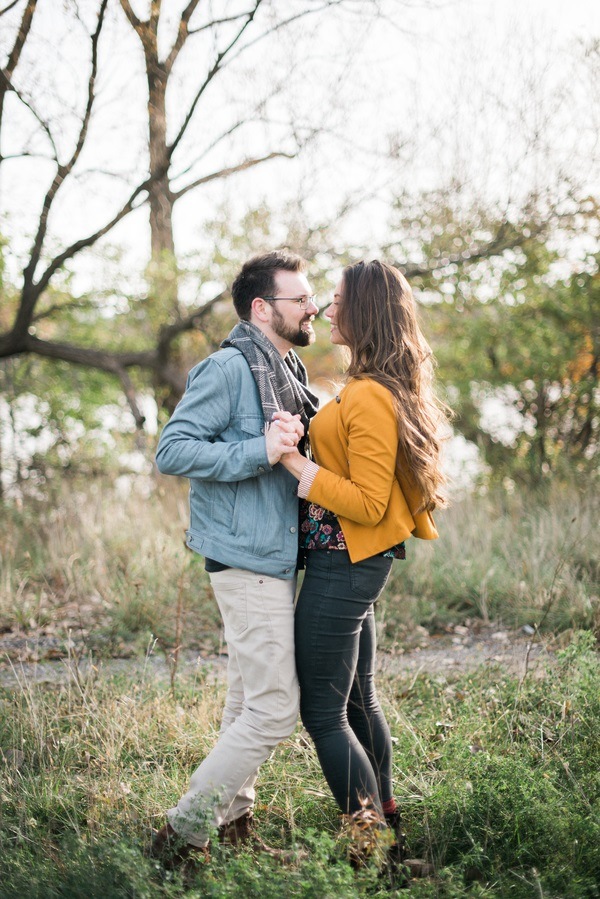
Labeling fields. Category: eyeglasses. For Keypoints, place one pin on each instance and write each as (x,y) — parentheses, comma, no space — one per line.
(302,302)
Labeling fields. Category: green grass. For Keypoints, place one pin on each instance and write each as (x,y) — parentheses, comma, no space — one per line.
(498,779)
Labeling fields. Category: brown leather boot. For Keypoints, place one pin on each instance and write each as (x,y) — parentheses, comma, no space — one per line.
(173,851)
(240,834)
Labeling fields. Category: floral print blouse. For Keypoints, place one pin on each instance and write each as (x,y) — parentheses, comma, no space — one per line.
(320,529)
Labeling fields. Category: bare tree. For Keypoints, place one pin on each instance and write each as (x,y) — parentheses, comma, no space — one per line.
(231,36)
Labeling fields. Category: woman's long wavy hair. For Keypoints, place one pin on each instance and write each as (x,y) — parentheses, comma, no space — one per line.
(377,318)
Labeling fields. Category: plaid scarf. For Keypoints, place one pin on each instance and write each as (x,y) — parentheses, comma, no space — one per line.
(282,383)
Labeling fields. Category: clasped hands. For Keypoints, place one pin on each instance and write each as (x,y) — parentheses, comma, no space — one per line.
(282,436)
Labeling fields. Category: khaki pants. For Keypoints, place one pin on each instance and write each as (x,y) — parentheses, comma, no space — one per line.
(261,707)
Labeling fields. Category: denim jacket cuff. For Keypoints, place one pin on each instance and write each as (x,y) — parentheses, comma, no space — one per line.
(256,454)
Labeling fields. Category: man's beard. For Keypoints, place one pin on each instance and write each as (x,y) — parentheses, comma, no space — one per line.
(297,336)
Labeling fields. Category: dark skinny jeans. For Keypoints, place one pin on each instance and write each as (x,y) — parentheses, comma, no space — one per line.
(335,657)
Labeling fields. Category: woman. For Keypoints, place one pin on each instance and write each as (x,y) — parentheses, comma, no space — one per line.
(374,481)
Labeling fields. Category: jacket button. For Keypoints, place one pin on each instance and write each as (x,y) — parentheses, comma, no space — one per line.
(292,530)
(260,468)
(287,570)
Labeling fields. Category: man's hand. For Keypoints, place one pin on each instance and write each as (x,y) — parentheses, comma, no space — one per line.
(282,435)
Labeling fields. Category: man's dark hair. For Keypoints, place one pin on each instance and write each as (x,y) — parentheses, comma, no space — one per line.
(257,278)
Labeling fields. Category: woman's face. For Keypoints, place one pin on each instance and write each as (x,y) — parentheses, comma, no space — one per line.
(331,313)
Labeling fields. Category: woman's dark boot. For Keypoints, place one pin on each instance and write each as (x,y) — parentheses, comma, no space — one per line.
(398,847)
(396,869)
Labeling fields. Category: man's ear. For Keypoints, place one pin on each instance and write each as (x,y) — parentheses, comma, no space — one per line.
(259,309)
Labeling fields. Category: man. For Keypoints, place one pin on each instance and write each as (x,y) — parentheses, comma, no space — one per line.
(244,520)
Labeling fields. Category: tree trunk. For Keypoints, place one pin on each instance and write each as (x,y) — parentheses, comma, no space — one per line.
(1,465)
(162,272)
(161,198)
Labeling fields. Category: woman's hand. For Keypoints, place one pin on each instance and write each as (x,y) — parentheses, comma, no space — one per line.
(294,462)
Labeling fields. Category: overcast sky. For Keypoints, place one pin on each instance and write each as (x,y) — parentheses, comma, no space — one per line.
(488,93)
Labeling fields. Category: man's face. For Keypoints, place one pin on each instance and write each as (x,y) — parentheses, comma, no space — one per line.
(289,322)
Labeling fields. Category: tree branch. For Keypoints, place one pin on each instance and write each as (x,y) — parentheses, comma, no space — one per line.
(300,15)
(105,360)
(65,169)
(168,333)
(129,391)
(117,363)
(135,23)
(182,35)
(505,239)
(214,22)
(210,147)
(27,155)
(221,56)
(112,363)
(91,90)
(62,307)
(79,245)
(217,65)
(9,86)
(225,173)
(9,7)
(16,340)
(24,28)
(15,53)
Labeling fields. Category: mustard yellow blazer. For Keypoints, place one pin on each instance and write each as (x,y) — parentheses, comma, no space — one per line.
(355,441)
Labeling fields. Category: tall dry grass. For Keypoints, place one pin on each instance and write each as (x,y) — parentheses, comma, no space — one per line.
(510,559)
(104,568)
(114,571)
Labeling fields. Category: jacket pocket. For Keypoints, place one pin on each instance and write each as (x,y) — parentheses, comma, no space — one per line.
(224,496)
(245,510)
(251,425)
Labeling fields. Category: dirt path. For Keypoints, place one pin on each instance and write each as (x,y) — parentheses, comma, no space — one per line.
(465,649)
(52,661)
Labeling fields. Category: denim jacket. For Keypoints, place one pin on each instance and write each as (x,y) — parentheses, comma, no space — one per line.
(243,512)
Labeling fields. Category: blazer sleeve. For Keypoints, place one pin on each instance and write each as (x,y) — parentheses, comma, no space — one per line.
(363,495)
